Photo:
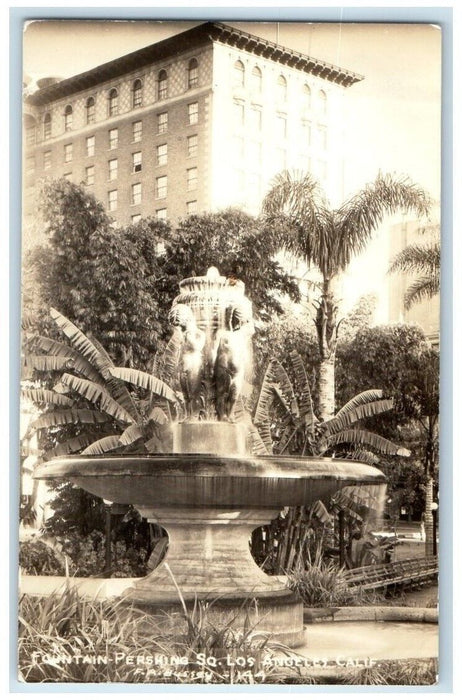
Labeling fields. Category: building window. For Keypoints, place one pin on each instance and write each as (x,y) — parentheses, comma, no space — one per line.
(112,200)
(113,103)
(68,118)
(193,113)
(30,135)
(90,175)
(191,207)
(255,119)
(306,133)
(162,122)
(90,145)
(281,127)
(238,148)
(282,89)
(255,154)
(137,94)
(68,176)
(136,162)
(161,215)
(239,177)
(68,152)
(136,218)
(137,130)
(113,138)
(322,137)
(90,110)
(162,85)
(306,97)
(161,187)
(30,164)
(47,160)
(191,179)
(193,73)
(281,159)
(113,167)
(47,126)
(239,115)
(238,74)
(161,154)
(136,193)
(256,79)
(192,145)
(322,103)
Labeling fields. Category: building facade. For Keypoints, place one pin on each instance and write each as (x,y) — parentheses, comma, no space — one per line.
(197,122)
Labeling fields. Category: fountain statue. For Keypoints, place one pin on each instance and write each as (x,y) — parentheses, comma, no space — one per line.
(211,492)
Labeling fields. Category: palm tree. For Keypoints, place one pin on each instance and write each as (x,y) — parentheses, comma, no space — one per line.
(329,238)
(422,259)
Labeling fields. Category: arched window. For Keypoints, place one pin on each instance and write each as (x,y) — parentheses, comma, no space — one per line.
(256,79)
(306,96)
(68,118)
(162,85)
(113,102)
(90,110)
(239,74)
(322,103)
(282,89)
(193,73)
(47,126)
(137,93)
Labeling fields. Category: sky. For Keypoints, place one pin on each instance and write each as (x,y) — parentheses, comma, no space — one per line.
(392,116)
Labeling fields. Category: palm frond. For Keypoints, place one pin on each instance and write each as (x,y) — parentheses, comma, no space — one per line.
(356,436)
(418,257)
(103,445)
(361,215)
(75,416)
(98,395)
(46,396)
(145,381)
(422,288)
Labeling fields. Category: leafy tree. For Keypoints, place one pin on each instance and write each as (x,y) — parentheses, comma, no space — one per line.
(104,279)
(239,246)
(329,238)
(398,359)
(424,260)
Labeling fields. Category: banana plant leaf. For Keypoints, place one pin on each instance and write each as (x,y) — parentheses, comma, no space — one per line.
(344,419)
(359,400)
(130,435)
(103,445)
(145,381)
(364,437)
(96,394)
(79,363)
(46,396)
(76,416)
(75,444)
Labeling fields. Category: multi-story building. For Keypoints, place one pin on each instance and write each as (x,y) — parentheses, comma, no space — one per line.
(196,122)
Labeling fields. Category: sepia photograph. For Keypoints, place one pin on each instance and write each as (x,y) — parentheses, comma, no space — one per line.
(230,353)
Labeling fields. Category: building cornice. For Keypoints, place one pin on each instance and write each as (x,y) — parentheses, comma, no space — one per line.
(201,35)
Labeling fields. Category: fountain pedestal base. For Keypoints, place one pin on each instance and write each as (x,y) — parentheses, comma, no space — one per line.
(208,559)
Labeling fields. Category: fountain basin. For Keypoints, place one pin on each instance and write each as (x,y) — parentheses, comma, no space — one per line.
(209,506)
(210,480)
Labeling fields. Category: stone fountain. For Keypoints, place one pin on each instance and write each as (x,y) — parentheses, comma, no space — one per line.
(211,493)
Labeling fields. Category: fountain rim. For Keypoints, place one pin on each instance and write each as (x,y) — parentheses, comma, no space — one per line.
(197,465)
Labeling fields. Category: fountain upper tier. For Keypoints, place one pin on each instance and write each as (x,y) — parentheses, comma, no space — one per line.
(211,481)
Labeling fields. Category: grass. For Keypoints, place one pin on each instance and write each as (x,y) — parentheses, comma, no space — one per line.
(65,638)
(406,672)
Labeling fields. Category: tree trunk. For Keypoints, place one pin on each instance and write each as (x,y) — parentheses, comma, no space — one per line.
(326,388)
(428,517)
